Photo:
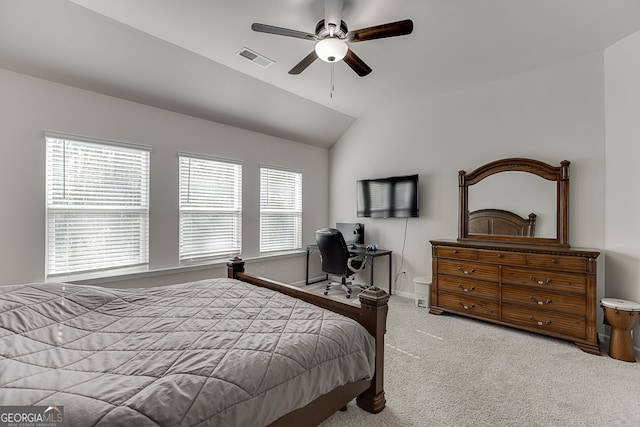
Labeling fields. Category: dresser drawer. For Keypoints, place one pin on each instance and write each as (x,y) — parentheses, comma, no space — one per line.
(469,287)
(502,257)
(560,262)
(536,298)
(545,279)
(466,305)
(545,321)
(461,253)
(472,270)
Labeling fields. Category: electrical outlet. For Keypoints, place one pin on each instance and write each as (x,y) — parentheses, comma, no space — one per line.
(404,274)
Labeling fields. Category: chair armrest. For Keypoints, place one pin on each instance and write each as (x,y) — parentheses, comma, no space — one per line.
(356,258)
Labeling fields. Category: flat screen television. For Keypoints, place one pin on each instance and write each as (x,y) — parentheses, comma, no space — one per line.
(393,197)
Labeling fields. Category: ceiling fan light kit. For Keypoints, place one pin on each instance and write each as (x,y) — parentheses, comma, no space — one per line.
(332,37)
(331,49)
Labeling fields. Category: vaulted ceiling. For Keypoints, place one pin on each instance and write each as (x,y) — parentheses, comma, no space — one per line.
(182,55)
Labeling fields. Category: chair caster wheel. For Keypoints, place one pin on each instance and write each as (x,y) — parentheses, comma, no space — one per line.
(326,293)
(348,295)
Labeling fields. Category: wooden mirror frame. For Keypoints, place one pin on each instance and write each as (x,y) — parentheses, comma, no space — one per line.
(559,174)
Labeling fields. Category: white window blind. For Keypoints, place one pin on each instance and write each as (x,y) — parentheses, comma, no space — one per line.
(280,210)
(97,206)
(210,208)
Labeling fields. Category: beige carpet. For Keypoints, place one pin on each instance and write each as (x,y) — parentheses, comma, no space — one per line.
(336,293)
(450,371)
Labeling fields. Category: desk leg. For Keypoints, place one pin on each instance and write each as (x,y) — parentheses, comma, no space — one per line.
(390,280)
(306,278)
(371,271)
(306,275)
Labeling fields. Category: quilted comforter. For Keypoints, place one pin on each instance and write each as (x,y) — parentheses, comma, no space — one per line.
(215,352)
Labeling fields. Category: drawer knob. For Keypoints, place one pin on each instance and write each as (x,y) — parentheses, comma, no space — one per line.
(540,282)
(466,289)
(465,306)
(540,302)
(465,271)
(455,251)
(499,255)
(554,261)
(539,322)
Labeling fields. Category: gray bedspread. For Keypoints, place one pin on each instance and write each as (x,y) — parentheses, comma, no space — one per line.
(215,352)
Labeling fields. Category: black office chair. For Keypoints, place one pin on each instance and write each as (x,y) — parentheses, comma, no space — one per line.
(337,260)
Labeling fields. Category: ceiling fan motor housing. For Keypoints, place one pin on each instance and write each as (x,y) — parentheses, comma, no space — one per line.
(323,32)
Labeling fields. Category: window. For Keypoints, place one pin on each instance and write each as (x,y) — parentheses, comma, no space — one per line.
(210,208)
(97,205)
(280,210)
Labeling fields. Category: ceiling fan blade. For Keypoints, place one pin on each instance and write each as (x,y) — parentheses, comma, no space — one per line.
(270,29)
(356,64)
(392,29)
(302,65)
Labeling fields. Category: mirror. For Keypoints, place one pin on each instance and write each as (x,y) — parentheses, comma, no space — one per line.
(515,200)
(504,191)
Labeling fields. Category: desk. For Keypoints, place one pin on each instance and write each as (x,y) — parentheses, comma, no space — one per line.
(369,255)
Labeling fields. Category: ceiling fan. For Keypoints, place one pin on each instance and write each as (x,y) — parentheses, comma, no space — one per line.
(332,36)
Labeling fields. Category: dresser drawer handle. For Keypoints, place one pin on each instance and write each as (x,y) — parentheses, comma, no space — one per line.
(455,251)
(540,302)
(540,323)
(465,306)
(499,255)
(466,271)
(554,261)
(540,282)
(472,288)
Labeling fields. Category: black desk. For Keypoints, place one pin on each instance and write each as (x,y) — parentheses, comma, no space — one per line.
(369,255)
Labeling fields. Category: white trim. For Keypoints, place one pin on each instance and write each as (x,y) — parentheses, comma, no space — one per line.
(408,295)
(312,281)
(91,139)
(207,157)
(123,275)
(281,168)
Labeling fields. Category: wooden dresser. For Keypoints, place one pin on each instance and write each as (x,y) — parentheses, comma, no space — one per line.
(546,290)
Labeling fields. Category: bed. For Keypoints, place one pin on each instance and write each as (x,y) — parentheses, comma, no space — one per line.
(498,222)
(240,350)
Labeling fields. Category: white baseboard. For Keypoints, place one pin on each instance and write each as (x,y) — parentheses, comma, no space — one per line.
(408,295)
(312,280)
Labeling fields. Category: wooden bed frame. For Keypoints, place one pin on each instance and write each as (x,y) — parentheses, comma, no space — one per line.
(372,314)
(502,223)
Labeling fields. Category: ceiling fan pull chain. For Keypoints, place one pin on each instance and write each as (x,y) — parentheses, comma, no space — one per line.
(332,81)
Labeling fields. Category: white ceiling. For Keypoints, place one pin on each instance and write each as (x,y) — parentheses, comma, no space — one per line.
(181,55)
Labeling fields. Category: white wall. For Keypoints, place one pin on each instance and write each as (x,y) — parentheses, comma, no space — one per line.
(622,202)
(549,114)
(28,106)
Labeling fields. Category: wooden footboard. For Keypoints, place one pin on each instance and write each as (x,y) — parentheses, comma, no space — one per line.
(372,314)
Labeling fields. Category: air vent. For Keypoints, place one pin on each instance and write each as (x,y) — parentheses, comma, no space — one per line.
(256,58)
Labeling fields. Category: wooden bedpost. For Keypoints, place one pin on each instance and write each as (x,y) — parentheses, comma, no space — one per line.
(374,318)
(234,266)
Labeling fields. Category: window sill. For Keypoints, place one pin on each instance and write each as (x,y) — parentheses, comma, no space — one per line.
(98,278)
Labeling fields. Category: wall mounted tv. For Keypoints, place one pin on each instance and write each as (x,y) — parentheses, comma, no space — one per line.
(393,197)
